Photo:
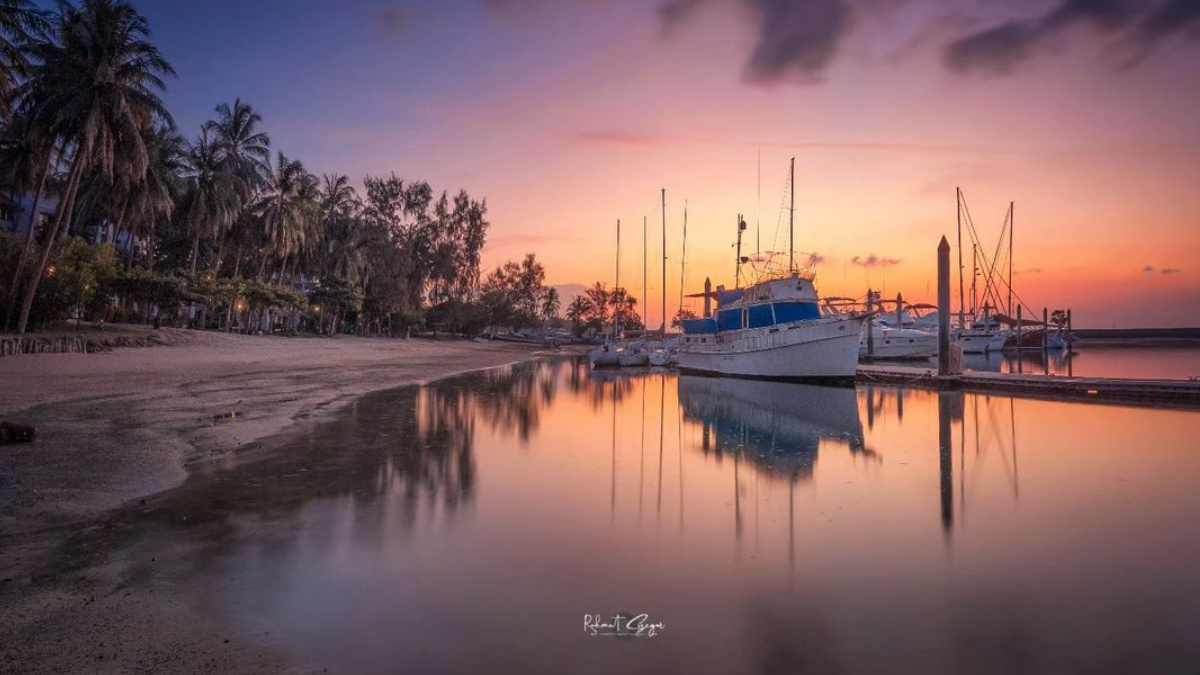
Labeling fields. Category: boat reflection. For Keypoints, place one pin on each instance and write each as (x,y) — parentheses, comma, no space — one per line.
(777,425)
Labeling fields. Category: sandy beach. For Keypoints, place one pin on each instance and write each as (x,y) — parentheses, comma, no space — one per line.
(115,428)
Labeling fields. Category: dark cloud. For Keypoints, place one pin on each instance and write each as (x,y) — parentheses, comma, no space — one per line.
(874,261)
(1170,270)
(1148,269)
(795,39)
(815,259)
(1001,48)
(1170,18)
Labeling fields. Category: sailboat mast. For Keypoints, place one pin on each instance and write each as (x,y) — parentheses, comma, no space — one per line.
(792,219)
(1011,218)
(644,296)
(683,257)
(617,283)
(958,210)
(974,275)
(664,262)
(758,209)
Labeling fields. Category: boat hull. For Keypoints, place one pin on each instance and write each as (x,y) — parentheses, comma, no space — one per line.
(980,343)
(604,358)
(900,344)
(824,350)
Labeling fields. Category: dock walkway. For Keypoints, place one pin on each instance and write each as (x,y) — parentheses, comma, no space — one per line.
(1183,393)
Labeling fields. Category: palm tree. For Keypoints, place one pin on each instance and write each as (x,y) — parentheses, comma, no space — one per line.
(341,235)
(212,200)
(25,155)
(246,151)
(95,86)
(152,199)
(280,213)
(237,137)
(21,23)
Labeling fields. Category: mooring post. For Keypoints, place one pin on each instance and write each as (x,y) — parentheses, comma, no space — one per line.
(899,311)
(1067,337)
(943,258)
(870,325)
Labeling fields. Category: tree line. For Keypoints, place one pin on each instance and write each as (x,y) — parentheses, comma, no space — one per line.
(220,228)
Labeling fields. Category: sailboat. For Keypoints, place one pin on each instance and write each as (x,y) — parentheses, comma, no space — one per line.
(774,328)
(608,354)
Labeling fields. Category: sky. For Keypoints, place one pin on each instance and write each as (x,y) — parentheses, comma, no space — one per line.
(568,115)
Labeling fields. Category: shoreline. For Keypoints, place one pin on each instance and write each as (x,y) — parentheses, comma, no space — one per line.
(116,430)
(124,425)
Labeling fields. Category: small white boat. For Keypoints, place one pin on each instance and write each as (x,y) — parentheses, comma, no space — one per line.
(661,357)
(604,356)
(982,337)
(898,343)
(632,357)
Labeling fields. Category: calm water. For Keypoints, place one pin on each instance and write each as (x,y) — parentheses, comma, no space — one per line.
(469,525)
(1094,361)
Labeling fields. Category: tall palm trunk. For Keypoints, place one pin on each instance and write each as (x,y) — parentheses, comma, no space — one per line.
(195,251)
(237,262)
(27,248)
(64,209)
(220,253)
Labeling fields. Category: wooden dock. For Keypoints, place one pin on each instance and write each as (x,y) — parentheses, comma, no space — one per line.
(1173,393)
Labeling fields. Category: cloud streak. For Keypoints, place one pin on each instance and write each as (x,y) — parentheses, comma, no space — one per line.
(873,260)
(1001,48)
(797,40)
(1151,269)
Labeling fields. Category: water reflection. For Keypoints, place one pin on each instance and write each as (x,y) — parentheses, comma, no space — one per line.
(772,527)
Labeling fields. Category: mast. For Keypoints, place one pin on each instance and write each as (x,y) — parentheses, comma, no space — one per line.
(758,209)
(792,219)
(1011,218)
(683,257)
(664,263)
(617,283)
(737,270)
(644,297)
(974,275)
(958,209)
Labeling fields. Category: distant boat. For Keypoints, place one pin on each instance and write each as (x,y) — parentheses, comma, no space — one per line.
(898,343)
(983,336)
(604,356)
(662,357)
(632,356)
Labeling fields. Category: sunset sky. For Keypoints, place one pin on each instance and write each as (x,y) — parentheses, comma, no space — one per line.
(570,114)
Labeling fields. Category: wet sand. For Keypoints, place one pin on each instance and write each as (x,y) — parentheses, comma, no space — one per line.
(116,428)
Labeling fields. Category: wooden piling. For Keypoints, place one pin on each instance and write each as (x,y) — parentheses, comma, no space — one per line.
(943,258)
